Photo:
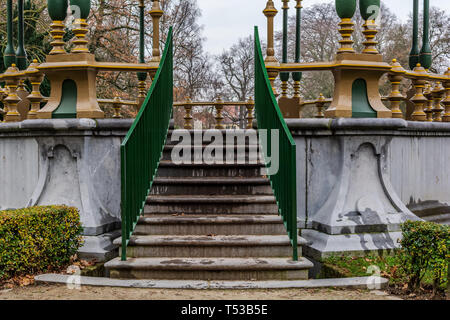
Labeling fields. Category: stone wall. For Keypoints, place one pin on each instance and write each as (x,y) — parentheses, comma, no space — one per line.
(75,162)
(358,179)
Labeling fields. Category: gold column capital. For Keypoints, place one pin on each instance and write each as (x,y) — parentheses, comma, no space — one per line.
(299,4)
(156,13)
(270,11)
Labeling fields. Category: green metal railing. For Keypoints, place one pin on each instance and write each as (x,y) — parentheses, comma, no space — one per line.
(269,118)
(142,148)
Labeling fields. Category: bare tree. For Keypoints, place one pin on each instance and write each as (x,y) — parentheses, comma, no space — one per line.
(236,67)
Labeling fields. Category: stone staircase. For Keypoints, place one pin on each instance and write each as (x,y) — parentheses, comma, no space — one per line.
(210,222)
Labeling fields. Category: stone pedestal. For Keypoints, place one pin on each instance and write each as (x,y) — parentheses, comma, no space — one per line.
(359,179)
(74,88)
(75,162)
(356,94)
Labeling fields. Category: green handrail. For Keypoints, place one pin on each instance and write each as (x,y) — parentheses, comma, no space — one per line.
(142,148)
(269,118)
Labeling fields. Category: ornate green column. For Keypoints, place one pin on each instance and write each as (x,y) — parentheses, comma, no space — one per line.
(21,55)
(142,76)
(414,54)
(57,10)
(284,76)
(425,53)
(297,76)
(346,10)
(83,7)
(9,55)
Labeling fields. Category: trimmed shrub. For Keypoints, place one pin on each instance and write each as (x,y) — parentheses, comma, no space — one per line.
(425,250)
(38,239)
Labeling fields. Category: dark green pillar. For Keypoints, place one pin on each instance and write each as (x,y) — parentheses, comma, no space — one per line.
(21,55)
(142,76)
(284,76)
(425,53)
(297,76)
(9,55)
(414,54)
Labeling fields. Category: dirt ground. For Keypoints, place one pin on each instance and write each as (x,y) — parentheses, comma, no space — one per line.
(61,292)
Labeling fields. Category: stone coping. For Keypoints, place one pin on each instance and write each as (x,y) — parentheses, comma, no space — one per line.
(67,125)
(365,126)
(295,125)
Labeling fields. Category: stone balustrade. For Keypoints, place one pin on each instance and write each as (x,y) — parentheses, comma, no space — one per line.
(218,106)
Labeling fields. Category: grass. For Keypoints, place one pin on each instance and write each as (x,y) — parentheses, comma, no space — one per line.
(388,266)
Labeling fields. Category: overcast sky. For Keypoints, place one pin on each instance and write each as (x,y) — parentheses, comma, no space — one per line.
(225,21)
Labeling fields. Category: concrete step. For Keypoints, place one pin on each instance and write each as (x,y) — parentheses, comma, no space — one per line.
(204,225)
(169,169)
(240,137)
(211,186)
(230,204)
(208,246)
(234,152)
(210,268)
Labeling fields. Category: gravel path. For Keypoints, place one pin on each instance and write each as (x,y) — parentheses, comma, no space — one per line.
(61,292)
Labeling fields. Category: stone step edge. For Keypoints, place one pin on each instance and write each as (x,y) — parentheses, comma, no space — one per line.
(205,199)
(353,283)
(211,180)
(209,264)
(195,220)
(210,241)
(223,147)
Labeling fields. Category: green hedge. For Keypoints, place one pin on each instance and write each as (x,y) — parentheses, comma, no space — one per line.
(425,250)
(38,239)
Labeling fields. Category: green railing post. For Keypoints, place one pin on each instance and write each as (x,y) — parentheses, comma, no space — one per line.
(269,117)
(425,53)
(414,54)
(142,148)
(9,55)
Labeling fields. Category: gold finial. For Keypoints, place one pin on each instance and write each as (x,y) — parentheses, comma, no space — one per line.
(117,105)
(320,103)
